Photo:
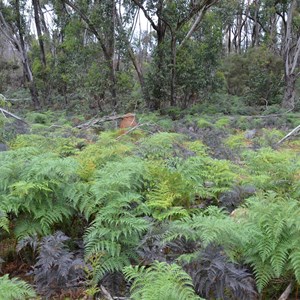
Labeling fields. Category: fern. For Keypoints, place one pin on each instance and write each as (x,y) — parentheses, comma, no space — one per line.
(215,277)
(114,180)
(266,237)
(208,226)
(118,213)
(178,183)
(107,148)
(4,221)
(160,281)
(15,289)
(35,190)
(273,248)
(57,268)
(115,233)
(160,145)
(273,170)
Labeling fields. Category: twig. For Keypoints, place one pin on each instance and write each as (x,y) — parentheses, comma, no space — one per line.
(286,293)
(131,129)
(293,132)
(105,292)
(4,111)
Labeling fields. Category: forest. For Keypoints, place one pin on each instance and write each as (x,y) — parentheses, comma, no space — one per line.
(149,149)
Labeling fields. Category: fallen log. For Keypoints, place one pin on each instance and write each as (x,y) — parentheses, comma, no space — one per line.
(5,112)
(286,293)
(291,133)
(95,122)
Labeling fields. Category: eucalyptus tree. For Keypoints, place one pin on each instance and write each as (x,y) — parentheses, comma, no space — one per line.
(280,26)
(100,18)
(15,29)
(291,53)
(173,22)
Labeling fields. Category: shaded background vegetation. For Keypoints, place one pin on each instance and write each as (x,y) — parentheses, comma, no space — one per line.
(126,55)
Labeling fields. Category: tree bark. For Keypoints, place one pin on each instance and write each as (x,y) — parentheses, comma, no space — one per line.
(173,71)
(291,56)
(35,4)
(289,92)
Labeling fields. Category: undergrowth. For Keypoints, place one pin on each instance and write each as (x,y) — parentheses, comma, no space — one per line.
(210,211)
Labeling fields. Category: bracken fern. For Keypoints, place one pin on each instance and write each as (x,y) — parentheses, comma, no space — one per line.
(15,289)
(160,281)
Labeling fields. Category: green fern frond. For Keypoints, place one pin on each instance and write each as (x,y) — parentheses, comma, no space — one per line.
(294,258)
(25,227)
(263,273)
(118,224)
(4,221)
(15,289)
(160,281)
(175,212)
(273,170)
(108,264)
(160,145)
(272,248)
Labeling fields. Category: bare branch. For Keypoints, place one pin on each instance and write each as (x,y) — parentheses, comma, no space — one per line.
(286,293)
(140,5)
(193,27)
(291,133)
(5,112)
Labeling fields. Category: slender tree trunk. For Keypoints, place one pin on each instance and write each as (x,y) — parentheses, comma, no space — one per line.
(239,27)
(26,66)
(136,64)
(173,71)
(106,41)
(255,32)
(35,4)
(111,50)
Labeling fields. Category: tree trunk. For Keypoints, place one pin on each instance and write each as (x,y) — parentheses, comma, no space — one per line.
(291,57)
(39,31)
(289,92)
(173,71)
(26,66)
(111,50)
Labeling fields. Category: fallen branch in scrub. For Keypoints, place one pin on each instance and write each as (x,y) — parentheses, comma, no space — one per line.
(5,112)
(130,130)
(293,132)
(105,292)
(96,122)
(286,293)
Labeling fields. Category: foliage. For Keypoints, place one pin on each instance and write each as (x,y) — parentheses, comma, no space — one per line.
(57,268)
(160,145)
(160,281)
(265,235)
(35,189)
(272,248)
(15,289)
(273,170)
(254,75)
(107,148)
(215,277)
(202,123)
(118,223)
(179,183)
